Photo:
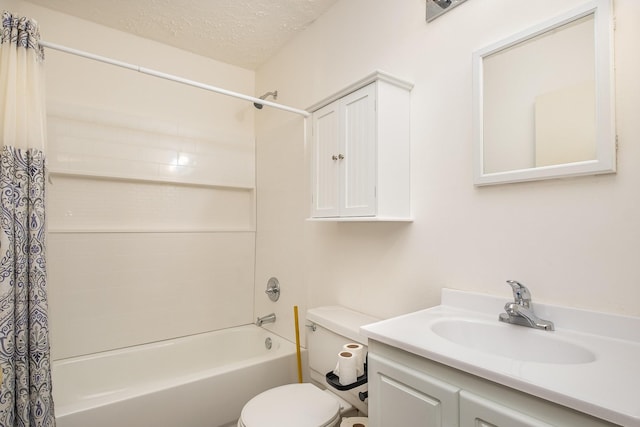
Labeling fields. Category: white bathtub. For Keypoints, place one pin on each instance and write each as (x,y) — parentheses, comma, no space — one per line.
(198,381)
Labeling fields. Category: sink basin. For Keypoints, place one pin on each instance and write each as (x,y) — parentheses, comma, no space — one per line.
(511,341)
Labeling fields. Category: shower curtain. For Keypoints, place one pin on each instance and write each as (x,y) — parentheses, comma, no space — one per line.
(25,393)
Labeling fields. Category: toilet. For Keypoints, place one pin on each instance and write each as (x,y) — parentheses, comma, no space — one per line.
(314,404)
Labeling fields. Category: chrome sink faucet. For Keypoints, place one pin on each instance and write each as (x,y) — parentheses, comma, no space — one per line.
(520,312)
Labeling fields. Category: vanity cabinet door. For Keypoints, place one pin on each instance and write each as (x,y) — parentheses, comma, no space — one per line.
(476,411)
(400,396)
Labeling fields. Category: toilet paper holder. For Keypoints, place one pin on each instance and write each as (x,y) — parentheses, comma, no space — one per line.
(334,381)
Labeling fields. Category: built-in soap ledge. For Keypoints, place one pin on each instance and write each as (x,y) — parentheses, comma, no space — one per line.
(154,230)
(53,173)
(85,205)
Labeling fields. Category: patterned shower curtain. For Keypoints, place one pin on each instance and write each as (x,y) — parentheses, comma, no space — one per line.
(25,392)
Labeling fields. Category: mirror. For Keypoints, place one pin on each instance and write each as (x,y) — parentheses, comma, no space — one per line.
(543,100)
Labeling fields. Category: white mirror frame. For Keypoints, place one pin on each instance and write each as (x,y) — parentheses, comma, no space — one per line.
(605,161)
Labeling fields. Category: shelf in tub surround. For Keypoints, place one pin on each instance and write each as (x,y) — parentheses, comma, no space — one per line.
(589,363)
(53,173)
(150,230)
(78,204)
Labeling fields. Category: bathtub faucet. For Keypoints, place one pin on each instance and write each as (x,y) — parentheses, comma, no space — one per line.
(269,318)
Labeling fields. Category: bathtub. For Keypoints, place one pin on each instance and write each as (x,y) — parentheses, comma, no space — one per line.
(202,380)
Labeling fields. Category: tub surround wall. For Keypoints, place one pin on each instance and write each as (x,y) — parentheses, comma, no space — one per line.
(281,188)
(572,241)
(152,203)
(122,289)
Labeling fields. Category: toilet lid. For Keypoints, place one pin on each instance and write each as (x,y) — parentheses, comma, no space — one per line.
(291,405)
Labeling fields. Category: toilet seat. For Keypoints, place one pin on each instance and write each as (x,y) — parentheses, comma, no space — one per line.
(291,405)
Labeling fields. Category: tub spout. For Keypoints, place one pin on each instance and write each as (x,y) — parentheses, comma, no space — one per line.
(269,318)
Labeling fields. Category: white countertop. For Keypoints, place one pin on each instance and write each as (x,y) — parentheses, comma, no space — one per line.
(606,387)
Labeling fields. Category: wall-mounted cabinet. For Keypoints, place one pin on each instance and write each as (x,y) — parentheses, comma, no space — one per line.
(360,157)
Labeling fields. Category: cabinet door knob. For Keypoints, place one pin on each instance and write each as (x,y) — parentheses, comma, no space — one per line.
(334,157)
(341,156)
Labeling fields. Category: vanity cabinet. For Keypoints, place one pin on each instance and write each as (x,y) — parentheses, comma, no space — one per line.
(360,152)
(402,396)
(406,389)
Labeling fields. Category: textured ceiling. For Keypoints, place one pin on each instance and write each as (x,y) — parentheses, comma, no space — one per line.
(239,32)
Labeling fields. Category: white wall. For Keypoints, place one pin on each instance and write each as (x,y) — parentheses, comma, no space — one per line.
(573,241)
(152,204)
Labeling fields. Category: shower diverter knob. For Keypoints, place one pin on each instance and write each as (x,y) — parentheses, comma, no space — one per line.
(273,289)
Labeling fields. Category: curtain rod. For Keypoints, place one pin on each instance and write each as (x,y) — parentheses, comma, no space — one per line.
(171,77)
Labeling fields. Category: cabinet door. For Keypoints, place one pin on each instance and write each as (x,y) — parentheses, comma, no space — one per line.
(358,151)
(476,411)
(325,165)
(400,396)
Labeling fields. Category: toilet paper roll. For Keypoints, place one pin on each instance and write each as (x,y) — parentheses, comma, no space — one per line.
(358,351)
(347,368)
(355,422)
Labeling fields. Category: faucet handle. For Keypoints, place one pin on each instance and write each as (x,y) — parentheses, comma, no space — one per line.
(521,294)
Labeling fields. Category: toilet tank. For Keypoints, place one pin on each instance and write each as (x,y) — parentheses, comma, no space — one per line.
(334,327)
